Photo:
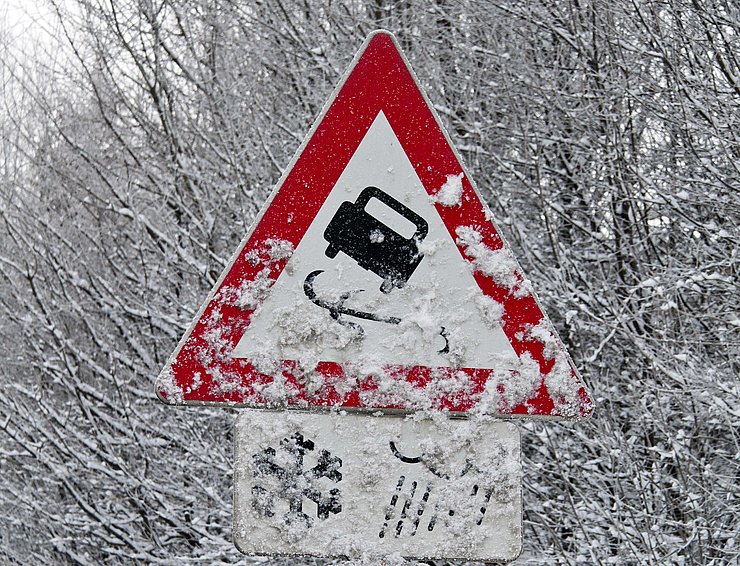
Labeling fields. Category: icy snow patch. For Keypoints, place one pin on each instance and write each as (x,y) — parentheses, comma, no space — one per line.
(450,194)
(169,387)
(499,264)
(303,325)
(492,310)
(563,387)
(278,249)
(541,332)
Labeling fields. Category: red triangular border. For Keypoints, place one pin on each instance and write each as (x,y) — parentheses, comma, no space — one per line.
(201,370)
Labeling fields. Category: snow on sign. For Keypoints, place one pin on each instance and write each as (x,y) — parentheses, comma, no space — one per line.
(374,278)
(361,486)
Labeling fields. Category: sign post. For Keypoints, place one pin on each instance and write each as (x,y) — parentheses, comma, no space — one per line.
(374,283)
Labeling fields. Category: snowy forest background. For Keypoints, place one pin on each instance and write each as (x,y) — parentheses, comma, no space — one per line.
(140,138)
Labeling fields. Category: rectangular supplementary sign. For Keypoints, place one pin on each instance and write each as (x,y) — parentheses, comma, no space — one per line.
(358,485)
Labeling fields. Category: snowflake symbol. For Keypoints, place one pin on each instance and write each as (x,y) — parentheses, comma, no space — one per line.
(294,481)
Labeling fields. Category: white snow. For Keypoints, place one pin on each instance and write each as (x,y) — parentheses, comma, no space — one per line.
(278,249)
(498,264)
(542,333)
(450,193)
(250,294)
(168,387)
(563,387)
(491,309)
(376,236)
(312,330)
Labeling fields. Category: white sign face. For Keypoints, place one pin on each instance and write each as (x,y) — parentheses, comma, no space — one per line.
(359,486)
(378,279)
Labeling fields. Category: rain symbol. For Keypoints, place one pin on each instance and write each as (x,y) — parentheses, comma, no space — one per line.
(409,508)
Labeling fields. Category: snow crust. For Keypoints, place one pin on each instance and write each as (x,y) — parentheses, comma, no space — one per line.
(168,387)
(450,193)
(498,264)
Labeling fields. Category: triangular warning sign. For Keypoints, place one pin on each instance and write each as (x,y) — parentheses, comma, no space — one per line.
(374,278)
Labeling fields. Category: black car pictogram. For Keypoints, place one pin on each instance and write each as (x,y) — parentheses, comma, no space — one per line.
(372,244)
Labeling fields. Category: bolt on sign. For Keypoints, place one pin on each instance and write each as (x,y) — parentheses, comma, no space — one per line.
(374,282)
